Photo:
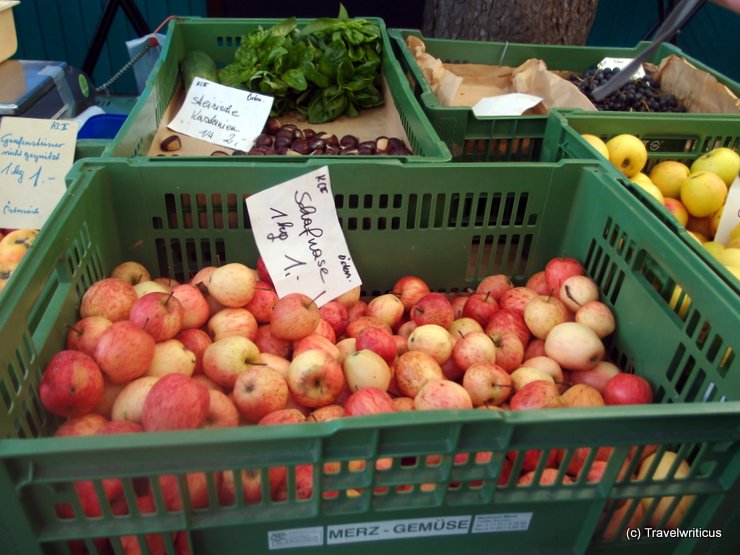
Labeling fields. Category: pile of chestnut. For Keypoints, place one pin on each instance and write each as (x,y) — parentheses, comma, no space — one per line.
(292,140)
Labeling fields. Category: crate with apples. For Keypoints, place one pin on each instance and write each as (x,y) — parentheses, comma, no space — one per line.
(292,422)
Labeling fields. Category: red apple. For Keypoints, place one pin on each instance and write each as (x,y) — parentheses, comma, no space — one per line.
(336,314)
(548,477)
(628,389)
(509,350)
(315,341)
(85,425)
(403,404)
(326,413)
(267,343)
(557,270)
(473,348)
(537,283)
(202,276)
(120,427)
(536,395)
(262,302)
(84,334)
(229,322)
(260,391)
(159,314)
(251,483)
(283,416)
(597,316)
(262,273)
(433,308)
(355,309)
(582,395)
(195,308)
(409,289)
(597,377)
(315,378)
(487,384)
(508,320)
(458,303)
(232,284)
(480,306)
(111,298)
(578,290)
(516,298)
(124,351)
(495,285)
(197,341)
(535,348)
(196,490)
(175,402)
(357,325)
(442,394)
(413,369)
(368,400)
(294,316)
(110,392)
(379,341)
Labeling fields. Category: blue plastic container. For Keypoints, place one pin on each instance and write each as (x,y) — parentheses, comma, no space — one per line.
(102,126)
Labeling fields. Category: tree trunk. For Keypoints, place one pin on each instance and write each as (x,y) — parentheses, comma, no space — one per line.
(528,21)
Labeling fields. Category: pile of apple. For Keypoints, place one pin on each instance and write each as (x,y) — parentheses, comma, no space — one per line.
(14,243)
(694,194)
(223,350)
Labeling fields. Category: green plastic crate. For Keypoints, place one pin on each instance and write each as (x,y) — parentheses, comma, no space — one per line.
(220,38)
(90,148)
(666,136)
(450,223)
(504,138)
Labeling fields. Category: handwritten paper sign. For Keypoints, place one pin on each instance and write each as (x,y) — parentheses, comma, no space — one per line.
(621,63)
(222,115)
(730,213)
(298,235)
(35,155)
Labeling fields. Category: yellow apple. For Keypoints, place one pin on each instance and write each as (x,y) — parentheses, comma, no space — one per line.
(597,143)
(677,297)
(647,186)
(735,271)
(668,175)
(666,462)
(713,247)
(722,161)
(729,257)
(15,244)
(6,272)
(627,153)
(703,193)
(698,236)
(714,220)
(733,243)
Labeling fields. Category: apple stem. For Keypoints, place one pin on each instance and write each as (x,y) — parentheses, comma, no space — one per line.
(74,329)
(167,302)
(567,294)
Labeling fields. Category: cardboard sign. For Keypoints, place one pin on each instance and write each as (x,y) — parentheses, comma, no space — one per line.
(730,213)
(35,155)
(621,63)
(222,115)
(298,235)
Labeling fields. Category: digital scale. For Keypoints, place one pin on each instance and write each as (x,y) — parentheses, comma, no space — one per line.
(45,90)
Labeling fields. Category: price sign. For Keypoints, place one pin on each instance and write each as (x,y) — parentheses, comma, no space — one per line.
(621,63)
(730,213)
(222,115)
(298,235)
(35,155)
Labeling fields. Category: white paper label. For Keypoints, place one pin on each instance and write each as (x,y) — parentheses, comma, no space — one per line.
(297,232)
(397,529)
(513,104)
(501,522)
(621,63)
(730,213)
(35,156)
(295,537)
(222,115)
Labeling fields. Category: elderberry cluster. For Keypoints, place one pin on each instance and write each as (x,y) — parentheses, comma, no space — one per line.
(639,95)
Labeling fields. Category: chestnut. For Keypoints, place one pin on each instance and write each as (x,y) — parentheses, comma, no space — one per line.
(263,139)
(171,143)
(348,141)
(271,126)
(301,146)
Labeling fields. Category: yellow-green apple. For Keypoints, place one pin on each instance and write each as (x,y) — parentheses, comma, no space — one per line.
(197,341)
(365,368)
(175,402)
(432,339)
(598,376)
(577,291)
(262,302)
(506,319)
(703,193)
(403,404)
(473,348)
(110,298)
(149,286)
(628,389)
(413,369)
(442,394)
(494,284)
(525,374)
(283,416)
(379,341)
(268,343)
(326,413)
(110,393)
(195,308)
(324,329)
(668,512)
(537,283)
(259,391)
(487,384)
(131,271)
(85,425)
(315,378)
(7,269)
(346,347)
(368,400)
(480,306)
(159,314)
(723,161)
(582,395)
(316,341)
(336,314)
(574,346)
(516,298)
(129,403)
(597,316)
(667,175)
(349,297)
(386,307)
(462,326)
(558,269)
(230,321)
(294,316)
(627,153)
(410,289)
(433,308)
(232,284)
(124,351)
(543,313)
(547,365)
(548,477)
(85,333)
(538,394)
(171,356)
(509,349)
(224,360)
(15,245)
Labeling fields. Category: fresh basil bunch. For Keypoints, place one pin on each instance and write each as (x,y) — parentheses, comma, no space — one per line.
(330,67)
